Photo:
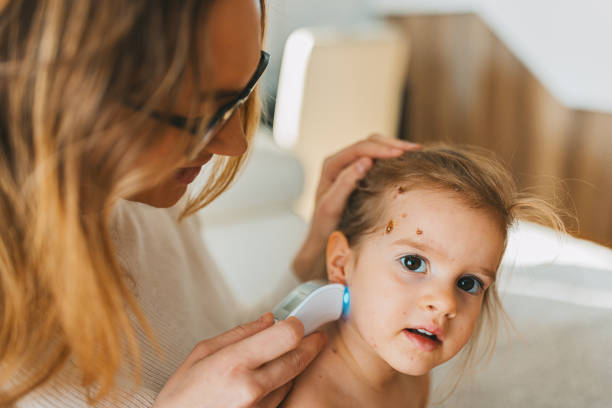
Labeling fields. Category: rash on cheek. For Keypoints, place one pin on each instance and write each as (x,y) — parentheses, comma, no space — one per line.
(373,343)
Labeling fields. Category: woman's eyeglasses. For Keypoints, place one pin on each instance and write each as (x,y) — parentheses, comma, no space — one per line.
(195,126)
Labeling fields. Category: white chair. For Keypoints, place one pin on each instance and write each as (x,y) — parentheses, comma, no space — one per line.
(337,86)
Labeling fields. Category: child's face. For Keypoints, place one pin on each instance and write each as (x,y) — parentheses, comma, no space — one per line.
(427,268)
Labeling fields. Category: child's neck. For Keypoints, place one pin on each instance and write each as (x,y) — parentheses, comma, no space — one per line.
(360,359)
(357,369)
(350,373)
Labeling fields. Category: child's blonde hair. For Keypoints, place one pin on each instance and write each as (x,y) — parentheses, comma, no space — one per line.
(477,178)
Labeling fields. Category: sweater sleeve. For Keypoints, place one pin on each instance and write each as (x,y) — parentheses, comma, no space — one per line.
(64,391)
(180,291)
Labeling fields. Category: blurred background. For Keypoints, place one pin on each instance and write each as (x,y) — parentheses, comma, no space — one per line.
(530,80)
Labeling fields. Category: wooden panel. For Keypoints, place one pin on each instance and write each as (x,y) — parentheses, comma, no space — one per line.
(465,86)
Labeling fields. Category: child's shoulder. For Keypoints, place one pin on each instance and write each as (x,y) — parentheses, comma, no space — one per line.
(312,389)
(305,395)
(304,398)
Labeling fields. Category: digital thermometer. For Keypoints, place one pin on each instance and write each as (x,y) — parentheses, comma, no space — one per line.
(314,303)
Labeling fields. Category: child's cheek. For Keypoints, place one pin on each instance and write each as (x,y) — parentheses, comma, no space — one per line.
(371,311)
(464,329)
(364,310)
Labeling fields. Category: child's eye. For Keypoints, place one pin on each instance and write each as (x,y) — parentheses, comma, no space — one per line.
(470,284)
(414,263)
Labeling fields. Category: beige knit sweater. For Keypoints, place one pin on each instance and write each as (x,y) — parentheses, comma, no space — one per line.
(180,291)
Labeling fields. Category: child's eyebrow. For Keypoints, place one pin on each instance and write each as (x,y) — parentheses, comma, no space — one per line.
(422,246)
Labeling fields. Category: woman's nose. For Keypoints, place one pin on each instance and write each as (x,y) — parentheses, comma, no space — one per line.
(440,301)
(231,139)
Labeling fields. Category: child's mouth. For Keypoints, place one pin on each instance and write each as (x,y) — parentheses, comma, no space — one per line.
(423,339)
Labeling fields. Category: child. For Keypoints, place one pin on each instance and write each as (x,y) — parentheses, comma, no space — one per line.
(418,245)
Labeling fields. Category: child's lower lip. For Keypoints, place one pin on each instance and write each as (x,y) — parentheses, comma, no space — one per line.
(422,343)
(187,175)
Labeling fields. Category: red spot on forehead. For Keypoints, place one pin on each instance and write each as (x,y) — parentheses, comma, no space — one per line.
(403,215)
(389,227)
(419,231)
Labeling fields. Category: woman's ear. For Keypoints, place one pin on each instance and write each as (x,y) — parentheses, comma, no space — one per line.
(337,257)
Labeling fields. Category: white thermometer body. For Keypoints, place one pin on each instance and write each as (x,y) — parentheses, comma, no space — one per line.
(314,303)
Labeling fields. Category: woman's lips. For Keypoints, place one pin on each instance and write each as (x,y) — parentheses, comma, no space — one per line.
(422,342)
(187,175)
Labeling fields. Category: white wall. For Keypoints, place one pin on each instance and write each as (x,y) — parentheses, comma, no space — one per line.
(423,6)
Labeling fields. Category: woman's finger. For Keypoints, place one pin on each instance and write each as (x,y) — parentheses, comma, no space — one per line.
(334,199)
(372,148)
(273,399)
(376,144)
(238,333)
(367,147)
(284,369)
(393,142)
(269,344)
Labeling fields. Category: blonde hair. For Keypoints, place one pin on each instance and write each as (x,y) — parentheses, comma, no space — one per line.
(68,148)
(475,177)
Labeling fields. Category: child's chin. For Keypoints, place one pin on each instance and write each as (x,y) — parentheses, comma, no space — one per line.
(410,366)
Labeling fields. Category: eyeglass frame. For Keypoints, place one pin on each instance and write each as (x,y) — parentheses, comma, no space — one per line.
(220,117)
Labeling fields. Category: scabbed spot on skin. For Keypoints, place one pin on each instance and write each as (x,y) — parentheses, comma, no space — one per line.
(396,188)
(389,227)
(401,189)
(419,231)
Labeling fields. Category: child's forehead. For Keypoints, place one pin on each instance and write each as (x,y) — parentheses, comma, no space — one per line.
(439,218)
(401,199)
(433,214)
(400,208)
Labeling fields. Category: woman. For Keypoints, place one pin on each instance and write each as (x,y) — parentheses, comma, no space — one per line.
(108,110)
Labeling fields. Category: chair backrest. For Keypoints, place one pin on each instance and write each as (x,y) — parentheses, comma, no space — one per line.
(337,86)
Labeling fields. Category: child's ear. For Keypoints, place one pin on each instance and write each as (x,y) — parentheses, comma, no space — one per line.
(338,252)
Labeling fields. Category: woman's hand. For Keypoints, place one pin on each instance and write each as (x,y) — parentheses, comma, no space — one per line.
(252,365)
(339,176)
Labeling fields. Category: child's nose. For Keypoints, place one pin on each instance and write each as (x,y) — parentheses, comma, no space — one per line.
(439,300)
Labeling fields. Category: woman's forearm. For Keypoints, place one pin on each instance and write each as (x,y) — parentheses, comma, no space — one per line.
(309,262)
